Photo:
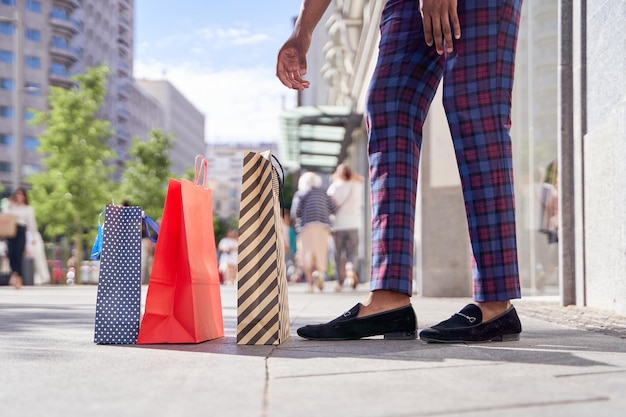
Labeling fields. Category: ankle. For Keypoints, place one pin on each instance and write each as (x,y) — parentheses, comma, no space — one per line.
(383,300)
(493,309)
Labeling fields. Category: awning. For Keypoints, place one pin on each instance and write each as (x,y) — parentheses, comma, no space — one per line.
(316,138)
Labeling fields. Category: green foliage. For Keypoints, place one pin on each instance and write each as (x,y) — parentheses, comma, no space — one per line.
(145,179)
(76,184)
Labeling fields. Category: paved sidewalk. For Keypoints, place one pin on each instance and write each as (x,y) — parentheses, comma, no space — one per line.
(49,366)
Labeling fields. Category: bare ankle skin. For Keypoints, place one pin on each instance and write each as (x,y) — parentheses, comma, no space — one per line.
(383,300)
(493,308)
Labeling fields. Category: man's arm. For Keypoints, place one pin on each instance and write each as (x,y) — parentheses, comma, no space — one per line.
(291,62)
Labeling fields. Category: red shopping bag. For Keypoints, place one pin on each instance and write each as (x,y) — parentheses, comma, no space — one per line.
(183,304)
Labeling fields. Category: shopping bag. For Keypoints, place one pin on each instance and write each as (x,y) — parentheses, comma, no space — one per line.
(183,303)
(119,284)
(262,305)
(8,225)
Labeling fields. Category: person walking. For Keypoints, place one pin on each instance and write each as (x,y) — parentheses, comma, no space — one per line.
(346,190)
(228,247)
(313,208)
(18,206)
(471,45)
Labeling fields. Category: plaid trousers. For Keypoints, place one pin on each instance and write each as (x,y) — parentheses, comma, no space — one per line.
(477,85)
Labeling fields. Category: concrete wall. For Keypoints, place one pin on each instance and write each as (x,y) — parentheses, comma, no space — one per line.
(605,156)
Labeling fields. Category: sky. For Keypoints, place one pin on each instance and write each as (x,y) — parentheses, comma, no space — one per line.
(221,55)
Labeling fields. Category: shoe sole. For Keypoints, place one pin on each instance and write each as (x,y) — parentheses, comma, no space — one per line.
(386,336)
(502,338)
(410,335)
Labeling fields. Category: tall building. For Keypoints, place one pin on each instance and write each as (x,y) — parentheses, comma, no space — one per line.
(37,50)
(181,118)
(44,43)
(147,113)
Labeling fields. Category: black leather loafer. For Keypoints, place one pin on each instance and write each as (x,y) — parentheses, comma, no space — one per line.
(397,324)
(467,326)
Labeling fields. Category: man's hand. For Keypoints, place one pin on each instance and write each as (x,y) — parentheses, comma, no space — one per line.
(437,16)
(291,64)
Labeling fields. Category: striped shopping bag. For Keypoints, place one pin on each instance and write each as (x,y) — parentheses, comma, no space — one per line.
(262,305)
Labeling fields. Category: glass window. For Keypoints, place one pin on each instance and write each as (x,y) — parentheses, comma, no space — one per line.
(5,167)
(28,115)
(9,2)
(6,84)
(59,42)
(31,142)
(6,111)
(57,68)
(32,61)
(33,6)
(6,139)
(33,35)
(6,56)
(32,89)
(7,28)
(58,13)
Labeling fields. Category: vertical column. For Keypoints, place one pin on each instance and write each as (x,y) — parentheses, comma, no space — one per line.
(567,231)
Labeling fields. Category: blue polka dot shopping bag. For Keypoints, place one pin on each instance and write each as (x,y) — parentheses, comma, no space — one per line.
(119,284)
(183,303)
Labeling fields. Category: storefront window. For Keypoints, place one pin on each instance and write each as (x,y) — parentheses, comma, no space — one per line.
(535,138)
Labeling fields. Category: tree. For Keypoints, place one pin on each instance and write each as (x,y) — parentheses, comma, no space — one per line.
(144,181)
(76,184)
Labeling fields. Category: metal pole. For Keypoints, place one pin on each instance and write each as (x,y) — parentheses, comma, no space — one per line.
(567,219)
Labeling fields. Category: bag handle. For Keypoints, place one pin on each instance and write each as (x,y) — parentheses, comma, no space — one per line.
(148,223)
(96,249)
(281,180)
(202,171)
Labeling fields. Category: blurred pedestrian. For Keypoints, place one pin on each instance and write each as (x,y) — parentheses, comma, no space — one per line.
(18,206)
(346,190)
(35,248)
(421,44)
(289,239)
(228,247)
(313,208)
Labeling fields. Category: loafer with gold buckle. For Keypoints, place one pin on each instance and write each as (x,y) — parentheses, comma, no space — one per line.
(467,326)
(396,324)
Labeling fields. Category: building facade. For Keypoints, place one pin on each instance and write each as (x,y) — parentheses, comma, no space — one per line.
(44,43)
(225,162)
(181,118)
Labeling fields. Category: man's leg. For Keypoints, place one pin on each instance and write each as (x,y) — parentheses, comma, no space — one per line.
(477,97)
(403,86)
(340,247)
